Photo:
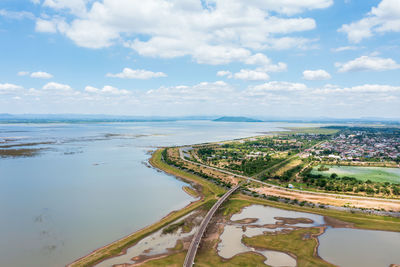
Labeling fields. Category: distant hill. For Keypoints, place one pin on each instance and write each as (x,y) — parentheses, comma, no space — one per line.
(237,119)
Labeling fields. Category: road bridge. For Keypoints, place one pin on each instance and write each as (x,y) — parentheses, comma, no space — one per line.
(194,245)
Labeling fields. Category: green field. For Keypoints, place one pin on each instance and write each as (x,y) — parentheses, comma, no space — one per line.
(375,174)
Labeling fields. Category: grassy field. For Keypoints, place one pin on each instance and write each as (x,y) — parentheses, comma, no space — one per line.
(307,130)
(293,243)
(375,174)
(290,165)
(190,191)
(208,257)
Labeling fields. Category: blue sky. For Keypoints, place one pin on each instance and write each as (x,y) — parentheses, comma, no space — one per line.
(289,58)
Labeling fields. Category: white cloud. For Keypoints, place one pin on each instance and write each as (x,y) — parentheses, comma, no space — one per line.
(9,87)
(77,7)
(316,75)
(368,63)
(258,74)
(294,6)
(18,15)
(57,87)
(265,63)
(91,89)
(128,73)
(43,25)
(41,75)
(37,74)
(204,91)
(226,31)
(366,88)
(54,25)
(251,75)
(258,59)
(275,86)
(107,89)
(383,18)
(275,98)
(223,73)
(23,73)
(345,48)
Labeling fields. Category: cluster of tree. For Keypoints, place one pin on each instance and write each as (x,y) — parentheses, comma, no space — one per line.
(347,184)
(290,174)
(369,130)
(205,152)
(285,177)
(254,165)
(179,165)
(279,143)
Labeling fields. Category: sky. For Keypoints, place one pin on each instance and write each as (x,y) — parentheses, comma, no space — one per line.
(260,58)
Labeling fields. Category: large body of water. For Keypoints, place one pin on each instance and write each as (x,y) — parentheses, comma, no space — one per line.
(90,187)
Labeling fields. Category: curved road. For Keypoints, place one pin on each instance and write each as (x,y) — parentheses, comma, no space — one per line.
(191,254)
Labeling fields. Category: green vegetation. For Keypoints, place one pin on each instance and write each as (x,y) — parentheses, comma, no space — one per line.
(190,191)
(20,152)
(293,243)
(254,165)
(283,172)
(207,256)
(374,174)
(330,181)
(287,159)
(254,156)
(309,130)
(323,168)
(173,227)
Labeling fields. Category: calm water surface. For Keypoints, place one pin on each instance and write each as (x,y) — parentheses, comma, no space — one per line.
(91,187)
(356,247)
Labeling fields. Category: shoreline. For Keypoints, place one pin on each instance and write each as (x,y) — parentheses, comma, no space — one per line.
(143,231)
(158,163)
(128,236)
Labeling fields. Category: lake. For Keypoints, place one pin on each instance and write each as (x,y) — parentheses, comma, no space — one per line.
(90,186)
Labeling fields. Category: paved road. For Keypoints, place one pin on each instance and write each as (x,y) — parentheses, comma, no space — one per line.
(288,189)
(191,254)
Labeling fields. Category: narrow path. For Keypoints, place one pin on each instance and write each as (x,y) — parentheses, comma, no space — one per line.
(194,245)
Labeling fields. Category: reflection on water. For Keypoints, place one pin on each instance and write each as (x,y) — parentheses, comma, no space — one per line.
(267,215)
(355,247)
(89,187)
(152,245)
(231,239)
(231,245)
